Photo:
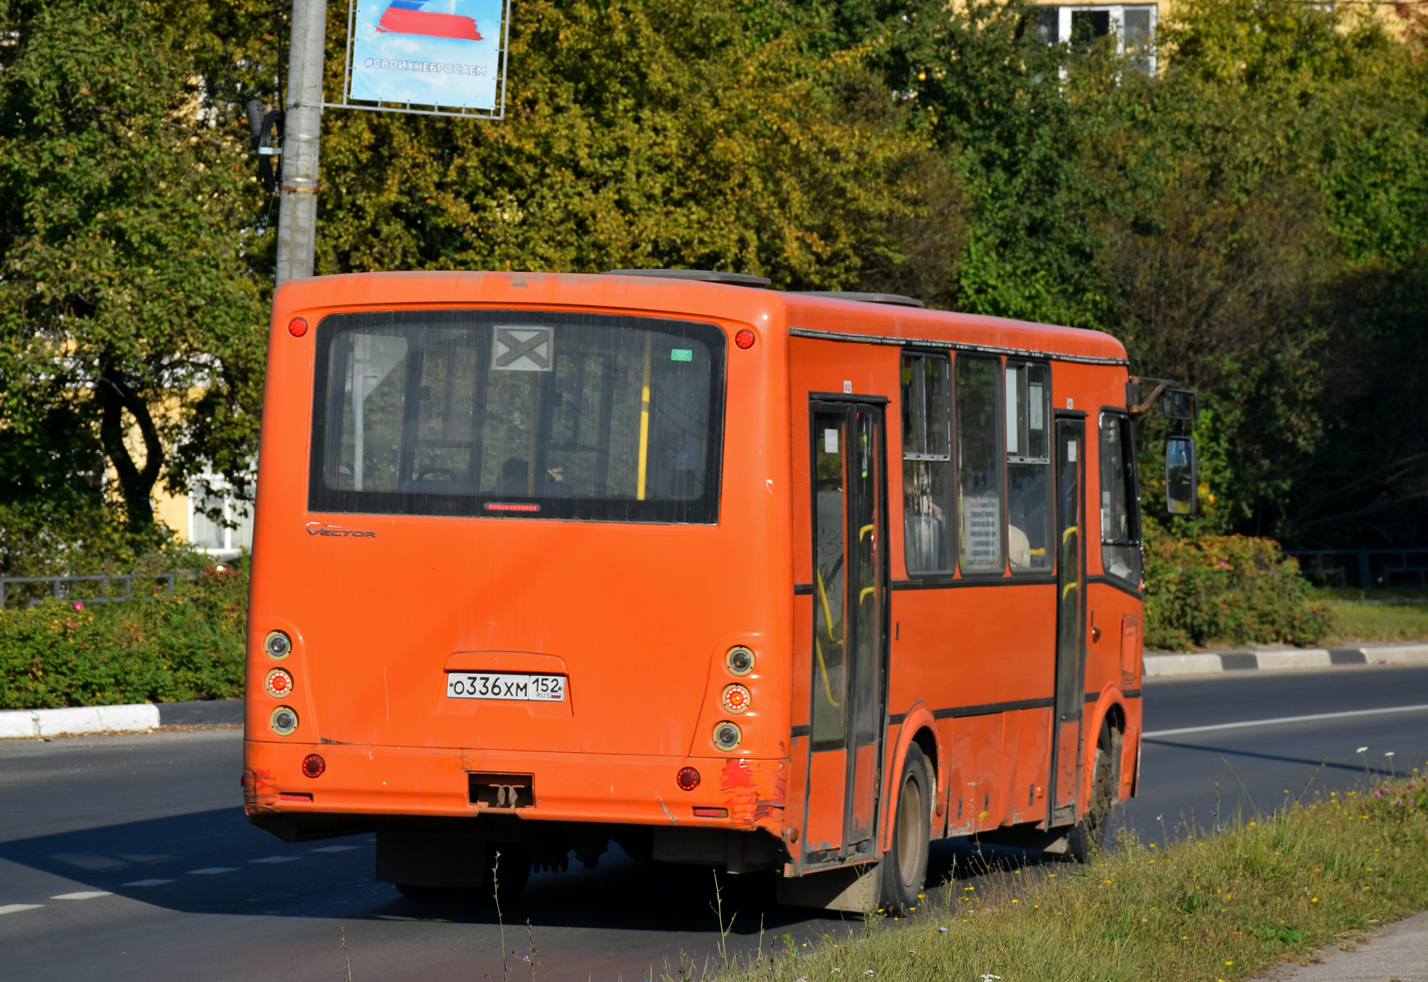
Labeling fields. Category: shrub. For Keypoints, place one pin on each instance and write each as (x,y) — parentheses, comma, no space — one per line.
(167,647)
(1227,588)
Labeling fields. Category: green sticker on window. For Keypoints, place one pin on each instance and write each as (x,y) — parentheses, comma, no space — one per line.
(681,354)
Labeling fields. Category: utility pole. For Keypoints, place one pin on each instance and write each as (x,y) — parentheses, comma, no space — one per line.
(302,129)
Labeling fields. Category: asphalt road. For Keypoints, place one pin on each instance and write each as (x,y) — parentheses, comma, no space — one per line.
(128,857)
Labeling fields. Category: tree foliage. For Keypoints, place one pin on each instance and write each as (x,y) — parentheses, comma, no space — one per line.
(1251,220)
(129,310)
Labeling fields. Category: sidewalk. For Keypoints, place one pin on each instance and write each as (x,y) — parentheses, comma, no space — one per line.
(1397,952)
(102,719)
(1162,663)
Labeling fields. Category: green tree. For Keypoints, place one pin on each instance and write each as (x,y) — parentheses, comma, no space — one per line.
(130,310)
(638,133)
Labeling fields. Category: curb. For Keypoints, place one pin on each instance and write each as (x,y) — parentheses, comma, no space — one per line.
(99,719)
(218,712)
(1161,665)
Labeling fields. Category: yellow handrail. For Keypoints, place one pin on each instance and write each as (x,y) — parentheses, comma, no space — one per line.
(823,673)
(644,422)
(827,613)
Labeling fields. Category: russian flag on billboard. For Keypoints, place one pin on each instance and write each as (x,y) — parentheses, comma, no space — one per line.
(427,17)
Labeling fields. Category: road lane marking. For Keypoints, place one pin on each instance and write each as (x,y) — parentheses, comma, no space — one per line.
(16,908)
(147,883)
(211,870)
(82,895)
(334,848)
(1282,719)
(276,859)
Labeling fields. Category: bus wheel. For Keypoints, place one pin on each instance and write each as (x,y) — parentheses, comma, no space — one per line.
(903,869)
(1089,835)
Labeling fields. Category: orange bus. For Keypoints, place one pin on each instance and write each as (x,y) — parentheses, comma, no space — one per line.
(727,575)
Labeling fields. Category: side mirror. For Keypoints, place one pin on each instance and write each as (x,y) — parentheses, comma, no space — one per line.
(1182,476)
(1179,404)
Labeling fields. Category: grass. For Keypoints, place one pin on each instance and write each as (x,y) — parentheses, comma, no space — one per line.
(1380,615)
(1223,905)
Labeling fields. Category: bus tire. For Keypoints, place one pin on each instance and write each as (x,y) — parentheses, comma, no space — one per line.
(1088,836)
(903,870)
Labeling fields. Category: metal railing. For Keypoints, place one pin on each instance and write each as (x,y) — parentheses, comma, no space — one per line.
(1370,567)
(60,586)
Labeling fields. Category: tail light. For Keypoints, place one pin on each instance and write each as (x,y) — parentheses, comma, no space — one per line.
(279,683)
(687,779)
(727,735)
(313,765)
(284,720)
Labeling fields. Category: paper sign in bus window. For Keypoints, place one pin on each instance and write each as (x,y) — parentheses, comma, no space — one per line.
(984,544)
(523,349)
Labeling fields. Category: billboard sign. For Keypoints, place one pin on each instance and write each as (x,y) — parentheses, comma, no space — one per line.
(443,57)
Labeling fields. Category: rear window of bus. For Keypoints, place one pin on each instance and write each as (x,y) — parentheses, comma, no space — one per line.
(518,414)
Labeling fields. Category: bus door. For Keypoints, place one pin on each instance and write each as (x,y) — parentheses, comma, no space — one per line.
(850,583)
(1070,615)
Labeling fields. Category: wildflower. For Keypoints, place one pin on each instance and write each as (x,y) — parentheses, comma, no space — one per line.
(1361,750)
(941,930)
(78,605)
(1313,900)
(868,972)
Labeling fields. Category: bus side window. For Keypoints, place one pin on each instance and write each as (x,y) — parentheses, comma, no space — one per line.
(1120,501)
(979,471)
(926,463)
(1028,406)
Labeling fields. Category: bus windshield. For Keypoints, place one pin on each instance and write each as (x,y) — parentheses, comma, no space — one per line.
(518,414)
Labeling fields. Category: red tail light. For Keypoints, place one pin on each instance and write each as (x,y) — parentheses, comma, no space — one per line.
(313,765)
(687,779)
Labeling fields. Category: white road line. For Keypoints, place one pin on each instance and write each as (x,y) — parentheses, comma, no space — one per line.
(334,848)
(210,870)
(147,883)
(276,859)
(82,895)
(16,908)
(1283,719)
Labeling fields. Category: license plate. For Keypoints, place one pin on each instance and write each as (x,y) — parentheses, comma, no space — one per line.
(522,688)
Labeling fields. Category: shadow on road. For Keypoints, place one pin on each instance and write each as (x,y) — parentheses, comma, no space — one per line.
(214,862)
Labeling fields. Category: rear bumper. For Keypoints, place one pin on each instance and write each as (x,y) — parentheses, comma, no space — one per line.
(403,781)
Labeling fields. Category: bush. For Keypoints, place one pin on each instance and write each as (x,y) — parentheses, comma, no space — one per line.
(1233,589)
(168,647)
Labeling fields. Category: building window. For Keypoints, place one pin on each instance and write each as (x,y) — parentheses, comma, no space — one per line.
(226,538)
(926,462)
(1133,28)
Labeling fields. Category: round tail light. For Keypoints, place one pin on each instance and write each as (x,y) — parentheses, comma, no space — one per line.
(727,735)
(687,779)
(279,683)
(744,339)
(284,720)
(297,327)
(313,765)
(277,645)
(736,698)
(740,660)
